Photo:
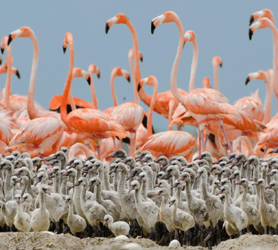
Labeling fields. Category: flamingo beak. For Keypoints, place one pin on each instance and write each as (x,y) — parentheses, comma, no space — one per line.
(250,33)
(251,20)
(17,74)
(139,87)
(89,80)
(2,50)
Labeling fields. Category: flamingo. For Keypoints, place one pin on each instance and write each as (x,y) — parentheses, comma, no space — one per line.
(216,61)
(90,123)
(262,75)
(55,103)
(129,114)
(206,83)
(269,138)
(169,143)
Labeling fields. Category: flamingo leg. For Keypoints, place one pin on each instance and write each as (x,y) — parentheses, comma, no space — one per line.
(226,138)
(205,143)
(121,144)
(200,145)
(179,128)
(202,140)
(240,147)
(114,142)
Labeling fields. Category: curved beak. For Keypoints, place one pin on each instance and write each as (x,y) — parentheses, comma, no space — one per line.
(247,80)
(250,34)
(251,20)
(152,27)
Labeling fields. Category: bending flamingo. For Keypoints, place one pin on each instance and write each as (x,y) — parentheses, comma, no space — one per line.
(169,143)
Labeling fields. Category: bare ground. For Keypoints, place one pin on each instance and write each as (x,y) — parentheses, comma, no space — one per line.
(49,241)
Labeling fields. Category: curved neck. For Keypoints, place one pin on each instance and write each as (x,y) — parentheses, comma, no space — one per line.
(144,97)
(71,100)
(215,67)
(150,116)
(248,143)
(136,52)
(98,194)
(132,71)
(33,113)
(268,99)
(92,87)
(112,86)
(138,198)
(173,80)
(67,86)
(9,77)
(193,65)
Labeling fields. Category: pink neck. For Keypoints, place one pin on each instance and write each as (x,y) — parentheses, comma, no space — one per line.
(92,87)
(67,86)
(112,78)
(150,116)
(9,77)
(267,103)
(136,99)
(173,80)
(33,113)
(193,65)
(215,66)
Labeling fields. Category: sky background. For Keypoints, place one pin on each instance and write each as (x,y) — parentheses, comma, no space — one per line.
(221,28)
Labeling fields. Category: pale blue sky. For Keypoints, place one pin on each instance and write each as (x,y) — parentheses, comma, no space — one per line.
(221,28)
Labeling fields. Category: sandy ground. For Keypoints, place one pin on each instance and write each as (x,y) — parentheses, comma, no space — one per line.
(47,241)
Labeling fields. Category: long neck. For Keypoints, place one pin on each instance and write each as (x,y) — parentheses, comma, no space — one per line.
(204,187)
(71,100)
(274,79)
(98,193)
(144,189)
(136,52)
(137,196)
(8,188)
(106,181)
(83,196)
(173,80)
(121,187)
(178,196)
(92,87)
(64,186)
(33,113)
(67,86)
(70,210)
(42,203)
(115,181)
(144,97)
(193,65)
(132,71)
(9,77)
(243,198)
(215,67)
(150,118)
(248,144)
(113,75)
(57,184)
(267,103)
(188,192)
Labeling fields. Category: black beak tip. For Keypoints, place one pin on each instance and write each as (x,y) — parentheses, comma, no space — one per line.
(64,49)
(98,76)
(17,74)
(2,51)
(251,20)
(250,33)
(0,61)
(221,64)
(141,59)
(106,28)
(139,87)
(10,39)
(89,80)
(128,79)
(152,28)
(247,80)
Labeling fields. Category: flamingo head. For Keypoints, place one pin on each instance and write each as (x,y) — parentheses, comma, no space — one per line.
(118,71)
(78,72)
(166,17)
(189,36)
(206,83)
(68,40)
(4,43)
(118,19)
(131,54)
(22,32)
(262,13)
(260,24)
(260,75)
(217,60)
(93,69)
(150,80)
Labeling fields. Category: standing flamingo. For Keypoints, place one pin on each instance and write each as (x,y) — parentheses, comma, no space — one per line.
(129,115)
(90,123)
(261,75)
(216,61)
(169,143)
(55,103)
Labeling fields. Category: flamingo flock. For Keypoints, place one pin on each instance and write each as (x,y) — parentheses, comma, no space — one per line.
(65,170)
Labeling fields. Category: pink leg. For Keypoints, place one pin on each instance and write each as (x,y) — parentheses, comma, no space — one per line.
(98,151)
(226,138)
(121,144)
(130,146)
(240,147)
(114,142)
(179,128)
(200,144)
(202,140)
(205,143)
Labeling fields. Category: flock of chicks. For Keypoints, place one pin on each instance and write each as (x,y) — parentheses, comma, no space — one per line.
(157,198)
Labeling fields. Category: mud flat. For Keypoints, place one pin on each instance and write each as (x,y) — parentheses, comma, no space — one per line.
(48,241)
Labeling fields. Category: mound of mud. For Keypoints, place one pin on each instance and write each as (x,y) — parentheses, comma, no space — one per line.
(250,242)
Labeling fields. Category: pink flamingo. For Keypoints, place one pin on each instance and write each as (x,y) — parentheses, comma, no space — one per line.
(90,123)
(261,75)
(129,115)
(93,69)
(169,143)
(216,61)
